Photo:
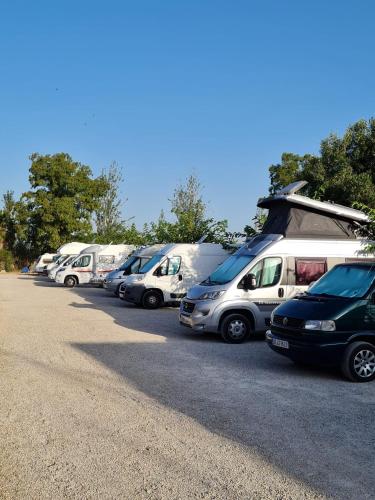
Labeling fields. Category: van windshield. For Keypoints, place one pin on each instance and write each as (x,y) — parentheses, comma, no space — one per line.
(151,263)
(345,281)
(128,263)
(60,259)
(228,270)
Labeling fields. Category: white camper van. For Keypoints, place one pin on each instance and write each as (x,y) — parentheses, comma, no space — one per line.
(132,265)
(301,240)
(171,272)
(93,262)
(45,260)
(64,256)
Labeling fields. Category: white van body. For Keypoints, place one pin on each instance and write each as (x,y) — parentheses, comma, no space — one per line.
(64,253)
(171,272)
(93,263)
(132,265)
(44,261)
(283,267)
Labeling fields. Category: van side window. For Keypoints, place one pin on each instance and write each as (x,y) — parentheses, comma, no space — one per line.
(267,271)
(309,270)
(170,266)
(84,261)
(134,268)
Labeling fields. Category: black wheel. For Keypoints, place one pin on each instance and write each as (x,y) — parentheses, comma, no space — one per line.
(358,363)
(152,300)
(235,328)
(70,281)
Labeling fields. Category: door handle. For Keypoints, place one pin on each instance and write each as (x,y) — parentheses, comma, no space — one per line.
(180,277)
(281,292)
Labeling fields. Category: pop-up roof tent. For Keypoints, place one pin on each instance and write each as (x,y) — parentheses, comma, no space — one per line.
(296,216)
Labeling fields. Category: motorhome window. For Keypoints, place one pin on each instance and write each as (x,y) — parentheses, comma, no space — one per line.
(228,270)
(174,264)
(83,261)
(345,281)
(70,260)
(267,272)
(151,263)
(60,259)
(55,258)
(106,259)
(309,270)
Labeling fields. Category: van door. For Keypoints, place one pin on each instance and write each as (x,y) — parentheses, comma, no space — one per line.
(83,268)
(272,287)
(169,278)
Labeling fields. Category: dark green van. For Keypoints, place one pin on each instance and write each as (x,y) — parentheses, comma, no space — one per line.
(331,324)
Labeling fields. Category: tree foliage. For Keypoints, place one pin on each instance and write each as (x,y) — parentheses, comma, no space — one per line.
(191,221)
(343,172)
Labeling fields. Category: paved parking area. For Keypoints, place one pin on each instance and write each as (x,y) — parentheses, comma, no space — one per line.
(103,400)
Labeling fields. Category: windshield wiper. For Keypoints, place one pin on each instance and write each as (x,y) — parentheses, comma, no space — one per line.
(324,295)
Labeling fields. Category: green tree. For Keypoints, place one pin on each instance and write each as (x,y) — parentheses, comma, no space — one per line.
(191,222)
(343,172)
(60,203)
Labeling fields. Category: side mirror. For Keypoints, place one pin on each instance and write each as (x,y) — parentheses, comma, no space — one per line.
(250,282)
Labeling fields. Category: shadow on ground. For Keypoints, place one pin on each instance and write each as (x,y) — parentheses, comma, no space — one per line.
(308,422)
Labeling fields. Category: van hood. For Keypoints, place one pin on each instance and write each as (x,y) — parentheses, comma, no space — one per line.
(116,273)
(319,308)
(198,290)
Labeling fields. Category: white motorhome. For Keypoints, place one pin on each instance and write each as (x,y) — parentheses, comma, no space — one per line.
(168,275)
(65,254)
(45,260)
(132,265)
(93,263)
(301,240)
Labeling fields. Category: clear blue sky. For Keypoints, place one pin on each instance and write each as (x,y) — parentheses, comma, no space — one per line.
(166,88)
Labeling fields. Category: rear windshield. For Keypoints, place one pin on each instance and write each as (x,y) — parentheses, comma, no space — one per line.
(345,281)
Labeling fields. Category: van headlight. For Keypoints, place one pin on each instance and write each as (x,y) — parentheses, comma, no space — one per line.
(137,277)
(212,295)
(325,325)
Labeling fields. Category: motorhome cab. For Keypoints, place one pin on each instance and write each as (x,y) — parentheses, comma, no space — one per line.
(92,261)
(64,256)
(171,272)
(44,260)
(301,240)
(331,324)
(132,265)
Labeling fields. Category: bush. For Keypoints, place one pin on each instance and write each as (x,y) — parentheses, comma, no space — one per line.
(6,261)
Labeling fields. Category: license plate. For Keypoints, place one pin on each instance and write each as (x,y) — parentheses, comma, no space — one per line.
(280,343)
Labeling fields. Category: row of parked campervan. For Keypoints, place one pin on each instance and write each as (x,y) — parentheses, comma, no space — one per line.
(276,282)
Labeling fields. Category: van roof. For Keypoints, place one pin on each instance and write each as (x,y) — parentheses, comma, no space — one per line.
(288,194)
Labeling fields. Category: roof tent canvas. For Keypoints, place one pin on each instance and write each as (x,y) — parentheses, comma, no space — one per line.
(295,216)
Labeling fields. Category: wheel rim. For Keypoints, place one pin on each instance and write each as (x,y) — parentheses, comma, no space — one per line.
(364,363)
(152,300)
(237,329)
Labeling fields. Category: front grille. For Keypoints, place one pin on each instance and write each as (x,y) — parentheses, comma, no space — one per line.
(287,322)
(188,306)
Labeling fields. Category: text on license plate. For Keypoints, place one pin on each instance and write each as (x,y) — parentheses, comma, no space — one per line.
(280,343)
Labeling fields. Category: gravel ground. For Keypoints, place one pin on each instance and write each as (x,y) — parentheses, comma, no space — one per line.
(102,400)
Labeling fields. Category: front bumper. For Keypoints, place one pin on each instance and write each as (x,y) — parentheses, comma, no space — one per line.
(307,347)
(198,315)
(134,293)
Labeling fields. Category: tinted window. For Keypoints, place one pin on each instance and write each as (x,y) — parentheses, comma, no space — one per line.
(309,270)
(345,281)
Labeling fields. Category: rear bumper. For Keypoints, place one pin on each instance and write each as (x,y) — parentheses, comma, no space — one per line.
(307,350)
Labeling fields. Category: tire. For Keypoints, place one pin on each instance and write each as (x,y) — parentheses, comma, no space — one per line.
(235,328)
(152,300)
(70,281)
(358,363)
